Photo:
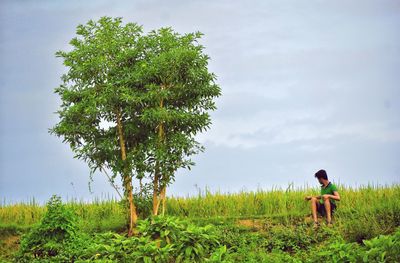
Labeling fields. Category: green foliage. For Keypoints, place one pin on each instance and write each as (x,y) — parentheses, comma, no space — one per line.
(196,243)
(168,239)
(383,248)
(357,230)
(329,248)
(380,215)
(368,222)
(296,237)
(235,238)
(191,243)
(56,230)
(290,239)
(160,239)
(338,251)
(115,67)
(117,248)
(154,90)
(143,199)
(163,228)
(353,238)
(219,255)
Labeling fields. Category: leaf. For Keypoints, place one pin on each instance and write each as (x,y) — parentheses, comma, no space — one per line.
(188,251)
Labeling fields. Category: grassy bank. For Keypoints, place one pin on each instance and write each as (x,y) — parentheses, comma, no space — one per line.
(361,202)
(245,222)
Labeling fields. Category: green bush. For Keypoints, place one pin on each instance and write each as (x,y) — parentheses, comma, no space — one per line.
(237,237)
(165,229)
(160,239)
(338,251)
(383,248)
(143,199)
(112,247)
(53,235)
(191,243)
(247,255)
(295,238)
(379,249)
(361,228)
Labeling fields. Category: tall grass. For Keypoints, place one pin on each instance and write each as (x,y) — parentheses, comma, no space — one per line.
(379,205)
(100,214)
(281,202)
(241,204)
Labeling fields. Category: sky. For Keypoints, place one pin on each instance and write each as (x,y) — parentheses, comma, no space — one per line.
(306,85)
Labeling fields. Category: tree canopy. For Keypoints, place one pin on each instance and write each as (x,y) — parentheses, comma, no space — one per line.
(133,102)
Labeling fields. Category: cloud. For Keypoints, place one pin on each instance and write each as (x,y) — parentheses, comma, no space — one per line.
(253,133)
(304,85)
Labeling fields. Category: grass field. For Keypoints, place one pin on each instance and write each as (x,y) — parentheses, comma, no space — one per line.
(363,213)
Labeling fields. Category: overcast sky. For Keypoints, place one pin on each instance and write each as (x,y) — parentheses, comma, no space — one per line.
(306,85)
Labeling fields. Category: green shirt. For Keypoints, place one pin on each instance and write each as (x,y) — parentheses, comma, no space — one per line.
(328,190)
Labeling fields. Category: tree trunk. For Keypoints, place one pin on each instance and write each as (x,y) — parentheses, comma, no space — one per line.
(157,173)
(163,198)
(127,179)
(155,191)
(141,187)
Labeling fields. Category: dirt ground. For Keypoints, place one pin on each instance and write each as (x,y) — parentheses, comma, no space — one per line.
(9,244)
(255,224)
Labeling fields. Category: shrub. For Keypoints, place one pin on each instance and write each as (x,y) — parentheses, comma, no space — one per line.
(51,236)
(161,239)
(379,249)
(191,243)
(143,199)
(164,229)
(256,256)
(291,239)
(383,248)
(363,228)
(237,237)
(338,251)
(112,247)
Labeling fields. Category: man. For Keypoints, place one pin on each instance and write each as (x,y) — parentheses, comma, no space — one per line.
(325,203)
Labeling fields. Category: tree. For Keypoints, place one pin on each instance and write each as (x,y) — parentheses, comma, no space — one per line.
(153,91)
(180,94)
(94,93)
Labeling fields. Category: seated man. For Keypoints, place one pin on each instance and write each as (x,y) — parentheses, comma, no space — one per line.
(324,204)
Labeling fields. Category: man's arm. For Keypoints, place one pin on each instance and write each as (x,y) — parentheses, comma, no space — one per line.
(309,197)
(335,196)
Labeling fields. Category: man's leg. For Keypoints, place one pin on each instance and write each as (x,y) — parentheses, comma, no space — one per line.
(314,202)
(327,204)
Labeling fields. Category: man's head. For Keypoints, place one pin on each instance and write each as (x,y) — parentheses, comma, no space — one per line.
(321,176)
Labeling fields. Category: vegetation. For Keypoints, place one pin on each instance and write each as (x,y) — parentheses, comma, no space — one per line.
(366,229)
(132,103)
(56,231)
(160,239)
(377,205)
